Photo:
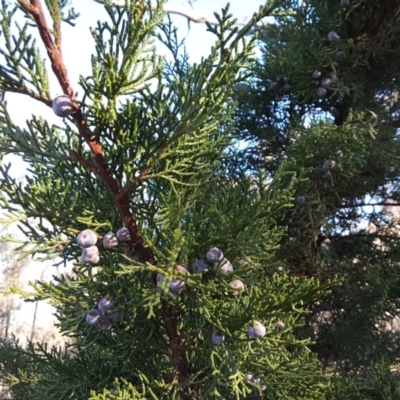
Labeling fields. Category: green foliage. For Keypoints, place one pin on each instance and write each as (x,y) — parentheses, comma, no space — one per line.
(22,69)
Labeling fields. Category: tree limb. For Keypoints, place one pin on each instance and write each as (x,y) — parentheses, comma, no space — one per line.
(137,245)
(189,14)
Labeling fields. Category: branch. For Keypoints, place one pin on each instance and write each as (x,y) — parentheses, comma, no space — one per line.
(53,47)
(53,50)
(317,308)
(7,81)
(368,205)
(178,352)
(189,14)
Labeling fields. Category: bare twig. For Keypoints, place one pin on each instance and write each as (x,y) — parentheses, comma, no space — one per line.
(190,14)
(367,205)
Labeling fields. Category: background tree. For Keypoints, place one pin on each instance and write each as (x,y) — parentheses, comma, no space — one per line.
(11,271)
(141,145)
(323,105)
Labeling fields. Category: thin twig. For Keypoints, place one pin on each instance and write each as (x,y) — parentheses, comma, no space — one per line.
(368,205)
(190,14)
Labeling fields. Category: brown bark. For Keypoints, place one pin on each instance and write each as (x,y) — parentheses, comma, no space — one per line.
(99,165)
(136,247)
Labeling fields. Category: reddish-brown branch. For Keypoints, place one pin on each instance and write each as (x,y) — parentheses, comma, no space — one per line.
(178,351)
(147,168)
(387,8)
(53,47)
(99,166)
(132,185)
(137,247)
(36,10)
(77,157)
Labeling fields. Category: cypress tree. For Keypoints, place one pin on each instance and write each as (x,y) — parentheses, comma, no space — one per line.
(179,289)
